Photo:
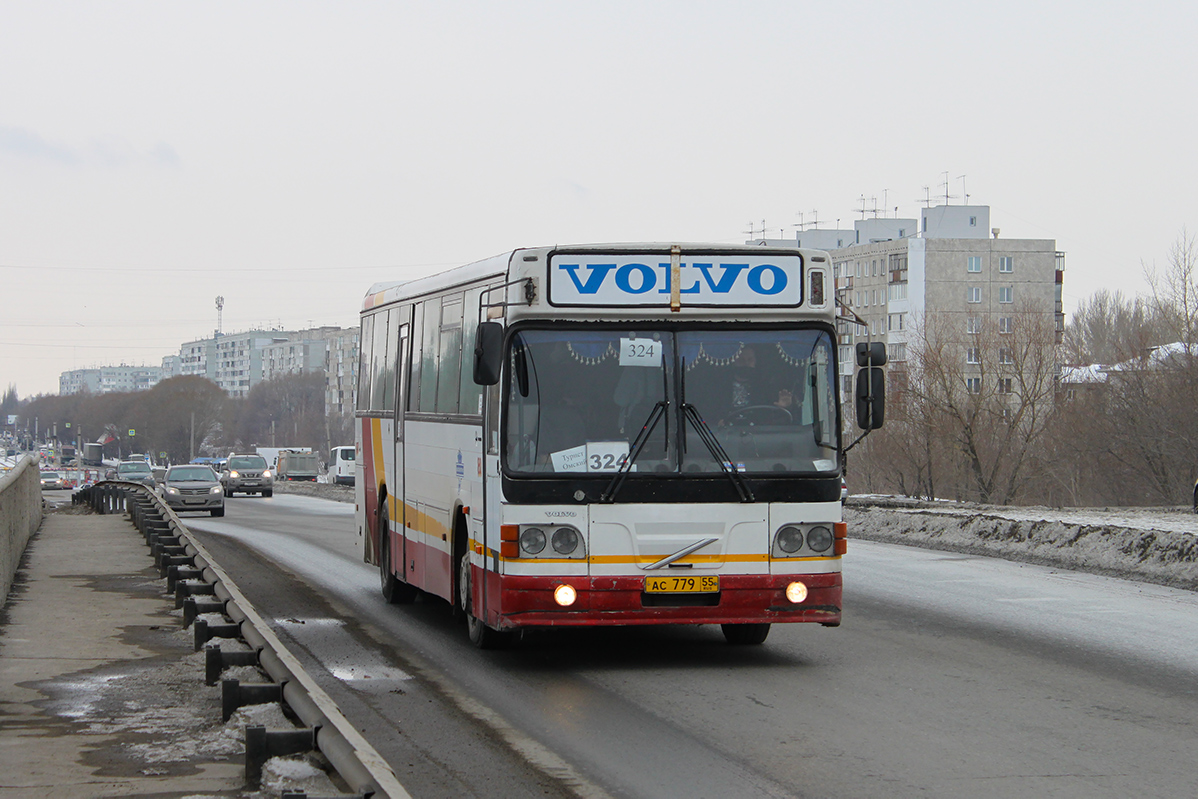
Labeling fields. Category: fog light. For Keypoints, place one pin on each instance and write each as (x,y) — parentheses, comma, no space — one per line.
(564,595)
(796,592)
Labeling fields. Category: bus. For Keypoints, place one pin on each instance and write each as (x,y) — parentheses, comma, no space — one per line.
(625,434)
(342,465)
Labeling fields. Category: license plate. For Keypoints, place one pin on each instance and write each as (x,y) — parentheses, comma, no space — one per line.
(683,584)
(249,482)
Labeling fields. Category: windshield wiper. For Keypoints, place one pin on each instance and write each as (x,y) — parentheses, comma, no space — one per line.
(713,446)
(642,438)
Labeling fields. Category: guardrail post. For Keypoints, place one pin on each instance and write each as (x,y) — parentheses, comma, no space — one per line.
(216,660)
(262,744)
(234,694)
(204,632)
(192,608)
(186,588)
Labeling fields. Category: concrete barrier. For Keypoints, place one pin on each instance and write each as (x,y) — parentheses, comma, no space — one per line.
(20,516)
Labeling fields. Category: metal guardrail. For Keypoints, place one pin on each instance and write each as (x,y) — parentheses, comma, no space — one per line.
(202,586)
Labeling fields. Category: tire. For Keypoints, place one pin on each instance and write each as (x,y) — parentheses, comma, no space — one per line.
(269,493)
(218,511)
(228,492)
(481,635)
(745,634)
(395,591)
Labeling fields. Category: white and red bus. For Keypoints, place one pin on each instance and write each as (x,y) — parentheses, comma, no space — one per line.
(608,435)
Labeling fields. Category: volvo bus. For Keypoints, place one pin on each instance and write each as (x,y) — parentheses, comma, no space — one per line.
(624,434)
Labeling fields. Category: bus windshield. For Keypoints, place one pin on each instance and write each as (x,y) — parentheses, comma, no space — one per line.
(708,400)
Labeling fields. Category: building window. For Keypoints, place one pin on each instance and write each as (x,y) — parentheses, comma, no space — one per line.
(1006,324)
(973,221)
(973,294)
(1006,263)
(973,385)
(1006,294)
(973,355)
(974,263)
(1004,385)
(973,325)
(1004,355)
(898,352)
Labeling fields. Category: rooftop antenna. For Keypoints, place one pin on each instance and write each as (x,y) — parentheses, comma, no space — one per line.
(861,210)
(750,231)
(947,196)
(963,192)
(927,197)
(886,201)
(220,308)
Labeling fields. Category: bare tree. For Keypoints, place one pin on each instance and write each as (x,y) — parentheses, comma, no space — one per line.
(985,391)
(1109,328)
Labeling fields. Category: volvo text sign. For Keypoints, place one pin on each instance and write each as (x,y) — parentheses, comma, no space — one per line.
(646,279)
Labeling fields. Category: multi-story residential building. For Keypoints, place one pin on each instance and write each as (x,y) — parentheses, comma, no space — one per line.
(239,361)
(952,266)
(109,379)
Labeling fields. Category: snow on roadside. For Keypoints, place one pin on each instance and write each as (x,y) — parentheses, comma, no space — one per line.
(1158,545)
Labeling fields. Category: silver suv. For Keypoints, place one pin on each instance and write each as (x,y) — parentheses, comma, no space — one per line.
(248,474)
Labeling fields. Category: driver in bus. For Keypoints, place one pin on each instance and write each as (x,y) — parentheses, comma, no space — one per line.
(749,391)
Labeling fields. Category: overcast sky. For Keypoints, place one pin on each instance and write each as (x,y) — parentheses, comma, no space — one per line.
(285,156)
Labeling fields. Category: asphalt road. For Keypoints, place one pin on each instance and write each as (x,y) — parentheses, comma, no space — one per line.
(951,676)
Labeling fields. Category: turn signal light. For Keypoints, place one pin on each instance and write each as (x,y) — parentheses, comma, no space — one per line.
(840,547)
(840,530)
(509,537)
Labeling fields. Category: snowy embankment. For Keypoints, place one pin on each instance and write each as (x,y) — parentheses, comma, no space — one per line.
(1158,545)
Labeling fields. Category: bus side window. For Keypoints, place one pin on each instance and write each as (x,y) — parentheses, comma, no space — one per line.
(379,363)
(417,335)
(428,360)
(471,399)
(367,338)
(449,357)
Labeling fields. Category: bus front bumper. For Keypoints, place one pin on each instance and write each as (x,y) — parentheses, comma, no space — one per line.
(742,599)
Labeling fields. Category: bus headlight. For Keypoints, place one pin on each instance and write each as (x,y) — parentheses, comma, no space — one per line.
(565,540)
(790,539)
(532,540)
(819,538)
(796,592)
(565,595)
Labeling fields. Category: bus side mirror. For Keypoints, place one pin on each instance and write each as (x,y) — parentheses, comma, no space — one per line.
(871,398)
(871,385)
(488,353)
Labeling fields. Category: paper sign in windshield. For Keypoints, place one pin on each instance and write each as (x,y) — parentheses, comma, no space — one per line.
(640,352)
(594,456)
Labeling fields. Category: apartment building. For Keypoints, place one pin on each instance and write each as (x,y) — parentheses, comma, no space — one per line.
(109,379)
(949,264)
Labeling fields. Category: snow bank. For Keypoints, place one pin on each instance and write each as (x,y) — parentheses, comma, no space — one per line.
(1155,545)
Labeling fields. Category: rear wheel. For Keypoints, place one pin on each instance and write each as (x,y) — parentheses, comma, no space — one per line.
(395,591)
(745,634)
(481,635)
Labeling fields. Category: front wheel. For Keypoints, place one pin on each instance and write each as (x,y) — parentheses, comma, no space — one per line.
(481,635)
(745,634)
(268,493)
(218,511)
